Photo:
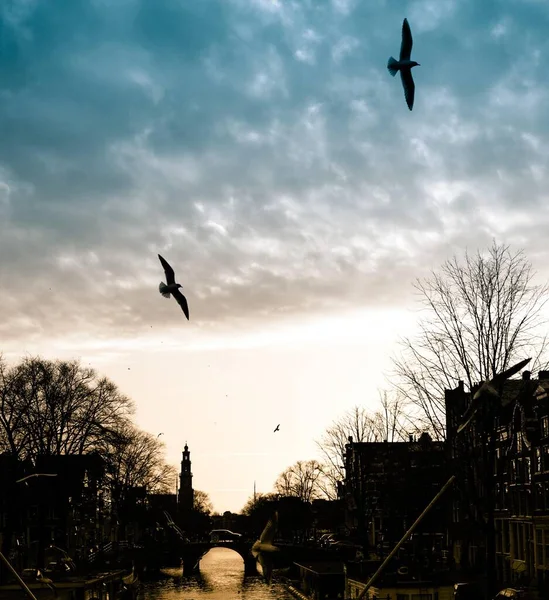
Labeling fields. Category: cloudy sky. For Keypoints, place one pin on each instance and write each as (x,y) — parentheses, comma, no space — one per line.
(263,149)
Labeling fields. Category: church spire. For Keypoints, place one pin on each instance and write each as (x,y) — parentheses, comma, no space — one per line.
(186,494)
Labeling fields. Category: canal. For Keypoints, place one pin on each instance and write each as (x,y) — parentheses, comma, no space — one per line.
(221,578)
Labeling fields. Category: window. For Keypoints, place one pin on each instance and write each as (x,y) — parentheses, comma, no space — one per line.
(505,538)
(512,471)
(545,426)
(539,547)
(539,499)
(537,461)
(527,470)
(519,543)
(455,512)
(545,458)
(517,470)
(502,434)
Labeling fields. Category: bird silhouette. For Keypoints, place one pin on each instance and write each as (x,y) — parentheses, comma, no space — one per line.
(277,428)
(161,433)
(489,389)
(263,548)
(404,65)
(172,287)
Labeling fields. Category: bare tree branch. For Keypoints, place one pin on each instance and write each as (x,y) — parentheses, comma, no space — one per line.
(483,316)
(302,480)
(390,423)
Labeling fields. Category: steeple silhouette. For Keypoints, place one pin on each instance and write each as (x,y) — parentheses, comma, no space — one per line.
(186,493)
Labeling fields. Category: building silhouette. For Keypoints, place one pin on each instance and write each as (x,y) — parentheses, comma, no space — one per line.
(518,478)
(387,486)
(185,498)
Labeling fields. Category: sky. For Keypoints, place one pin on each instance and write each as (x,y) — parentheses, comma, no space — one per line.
(262,147)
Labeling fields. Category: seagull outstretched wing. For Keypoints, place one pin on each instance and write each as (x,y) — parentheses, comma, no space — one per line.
(170,275)
(489,388)
(268,534)
(407,42)
(409,86)
(182,301)
(264,546)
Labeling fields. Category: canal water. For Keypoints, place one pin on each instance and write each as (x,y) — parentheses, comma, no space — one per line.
(221,578)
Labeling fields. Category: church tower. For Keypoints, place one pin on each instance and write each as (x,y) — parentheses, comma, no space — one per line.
(186,494)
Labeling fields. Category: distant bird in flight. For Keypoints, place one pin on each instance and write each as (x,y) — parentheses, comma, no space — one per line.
(172,287)
(277,428)
(161,433)
(404,65)
(487,389)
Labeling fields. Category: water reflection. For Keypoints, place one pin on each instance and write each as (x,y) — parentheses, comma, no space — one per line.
(221,577)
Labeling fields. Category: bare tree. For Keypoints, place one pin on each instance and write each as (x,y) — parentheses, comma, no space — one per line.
(202,502)
(301,480)
(256,501)
(483,316)
(389,423)
(56,407)
(136,458)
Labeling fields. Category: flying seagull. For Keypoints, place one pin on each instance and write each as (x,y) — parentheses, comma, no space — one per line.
(277,428)
(172,287)
(263,548)
(489,388)
(404,65)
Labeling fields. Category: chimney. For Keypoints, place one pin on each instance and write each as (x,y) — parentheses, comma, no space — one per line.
(410,438)
(526,375)
(460,385)
(543,375)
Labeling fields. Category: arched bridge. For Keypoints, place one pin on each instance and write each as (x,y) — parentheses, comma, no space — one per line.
(192,552)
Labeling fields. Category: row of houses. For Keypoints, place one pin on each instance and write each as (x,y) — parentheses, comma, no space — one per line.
(501,463)
(71,508)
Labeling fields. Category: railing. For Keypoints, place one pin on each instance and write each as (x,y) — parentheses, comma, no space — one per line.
(108,548)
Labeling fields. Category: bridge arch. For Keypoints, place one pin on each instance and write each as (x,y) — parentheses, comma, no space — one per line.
(192,554)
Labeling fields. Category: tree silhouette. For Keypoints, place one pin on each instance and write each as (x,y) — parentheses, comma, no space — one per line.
(483,315)
(389,423)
